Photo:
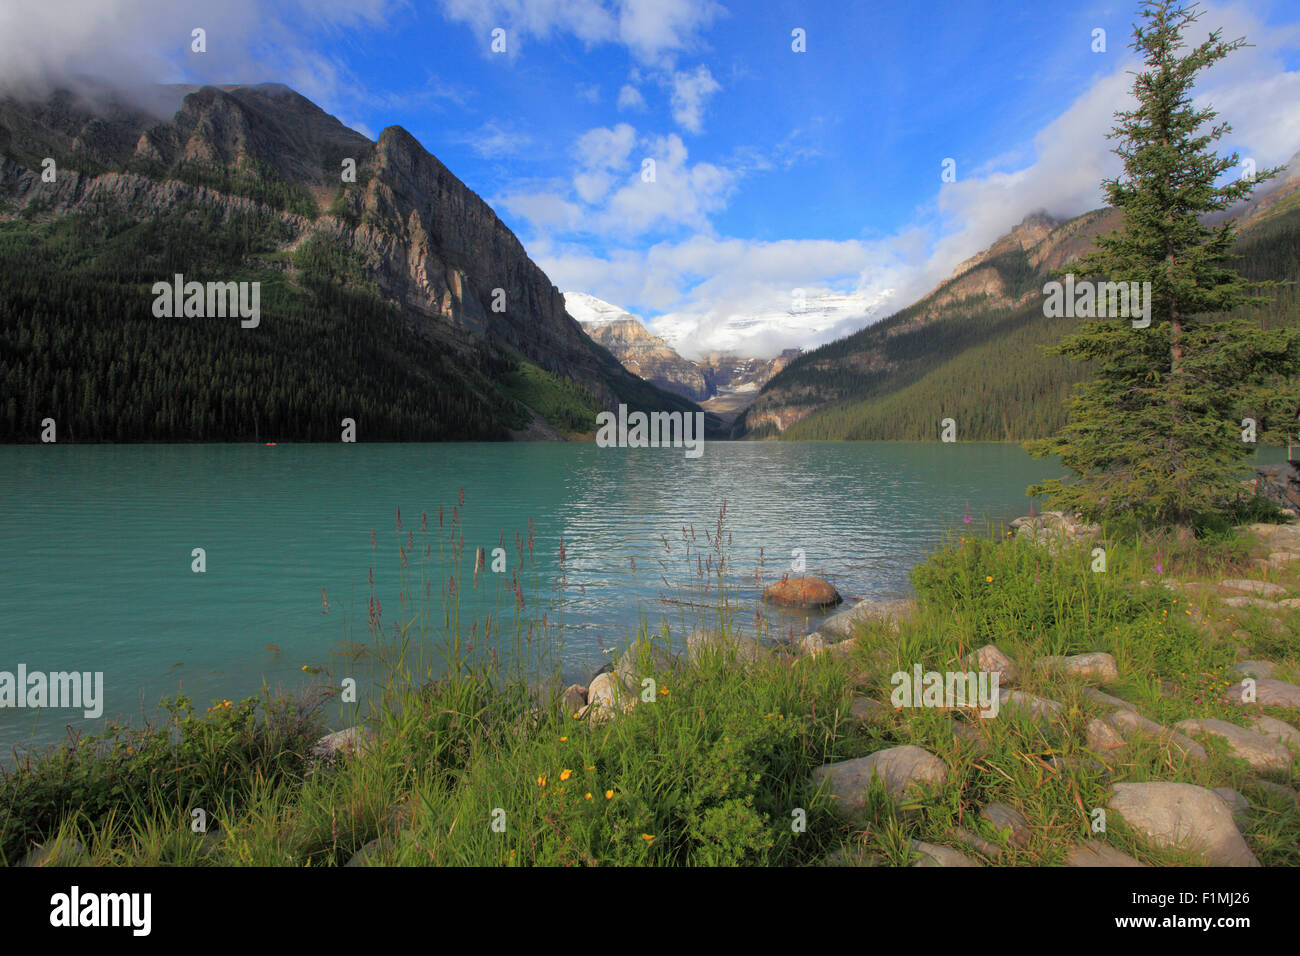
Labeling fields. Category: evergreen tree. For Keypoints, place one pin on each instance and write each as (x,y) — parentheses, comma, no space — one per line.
(1157,433)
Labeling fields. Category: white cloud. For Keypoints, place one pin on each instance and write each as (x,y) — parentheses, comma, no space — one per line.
(588,20)
(680,195)
(491,140)
(690,92)
(546,210)
(652,30)
(617,199)
(710,291)
(630,98)
(138,43)
(601,152)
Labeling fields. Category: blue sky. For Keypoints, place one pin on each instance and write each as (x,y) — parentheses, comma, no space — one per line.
(774,169)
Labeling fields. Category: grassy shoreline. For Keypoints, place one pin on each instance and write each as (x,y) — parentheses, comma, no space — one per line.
(716,768)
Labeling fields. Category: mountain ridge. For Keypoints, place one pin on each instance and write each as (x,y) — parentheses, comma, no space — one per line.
(859,387)
(413,234)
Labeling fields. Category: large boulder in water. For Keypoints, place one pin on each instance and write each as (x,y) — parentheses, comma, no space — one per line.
(802,592)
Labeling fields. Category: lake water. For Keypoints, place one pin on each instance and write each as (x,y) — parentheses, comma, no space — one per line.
(96,548)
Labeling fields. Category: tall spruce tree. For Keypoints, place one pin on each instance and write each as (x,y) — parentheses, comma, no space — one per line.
(1158,432)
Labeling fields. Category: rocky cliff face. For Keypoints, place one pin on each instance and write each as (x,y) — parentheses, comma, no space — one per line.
(426,240)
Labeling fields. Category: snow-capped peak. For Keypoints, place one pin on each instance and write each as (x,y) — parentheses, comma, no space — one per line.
(591,311)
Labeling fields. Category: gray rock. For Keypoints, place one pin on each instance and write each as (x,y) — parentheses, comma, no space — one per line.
(1095,853)
(349,742)
(990,660)
(575,698)
(841,649)
(1258,588)
(1237,803)
(66,852)
(1053,529)
(900,769)
(848,855)
(1276,789)
(1248,602)
(864,709)
(812,643)
(1270,531)
(1282,558)
(1009,821)
(370,854)
(643,659)
(970,734)
(978,843)
(1256,669)
(733,647)
(606,692)
(1103,698)
(1130,723)
(845,624)
(1028,703)
(1262,753)
(1103,737)
(1183,815)
(1268,692)
(1278,730)
(1097,666)
(932,854)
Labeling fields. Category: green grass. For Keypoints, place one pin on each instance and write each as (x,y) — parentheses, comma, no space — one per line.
(715,768)
(564,404)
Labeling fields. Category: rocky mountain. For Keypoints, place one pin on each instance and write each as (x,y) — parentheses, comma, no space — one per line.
(298,195)
(641,353)
(734,382)
(971,348)
(722,382)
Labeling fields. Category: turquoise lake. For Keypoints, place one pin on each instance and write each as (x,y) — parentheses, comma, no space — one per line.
(96,561)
